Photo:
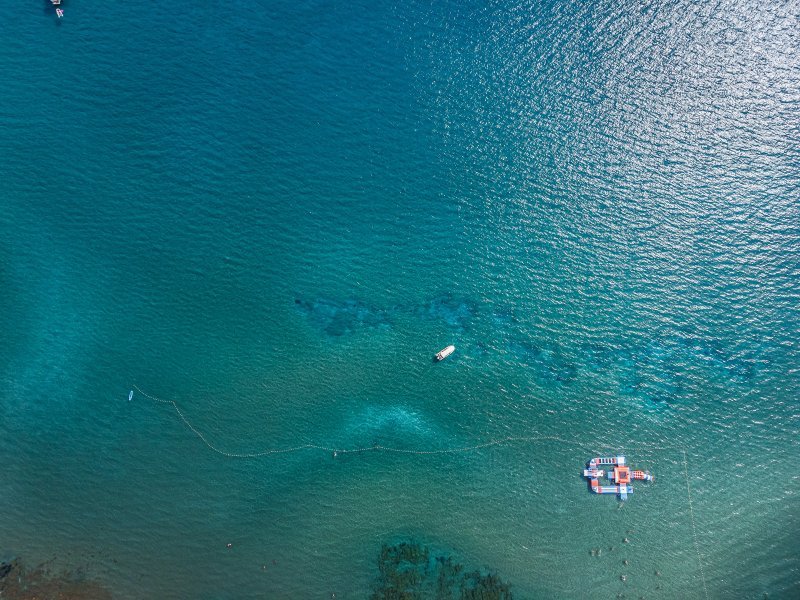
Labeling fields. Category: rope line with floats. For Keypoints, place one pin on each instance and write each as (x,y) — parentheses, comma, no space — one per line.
(337,451)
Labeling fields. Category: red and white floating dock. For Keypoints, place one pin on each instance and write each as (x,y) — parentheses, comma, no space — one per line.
(620,474)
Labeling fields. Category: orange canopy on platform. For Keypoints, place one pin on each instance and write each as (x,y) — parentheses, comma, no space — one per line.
(622,475)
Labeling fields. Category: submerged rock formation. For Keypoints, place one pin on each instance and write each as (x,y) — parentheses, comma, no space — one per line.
(337,318)
(19,583)
(410,571)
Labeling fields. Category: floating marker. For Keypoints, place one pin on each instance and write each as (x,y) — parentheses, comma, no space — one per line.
(130,396)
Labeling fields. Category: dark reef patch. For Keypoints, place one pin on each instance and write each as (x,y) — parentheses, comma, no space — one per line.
(667,369)
(661,371)
(547,362)
(597,358)
(503,317)
(19,583)
(654,374)
(339,317)
(738,363)
(458,313)
(411,571)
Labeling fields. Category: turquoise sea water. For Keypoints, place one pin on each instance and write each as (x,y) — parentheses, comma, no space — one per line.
(274,214)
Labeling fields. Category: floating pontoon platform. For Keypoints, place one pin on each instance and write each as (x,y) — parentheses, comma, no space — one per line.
(620,474)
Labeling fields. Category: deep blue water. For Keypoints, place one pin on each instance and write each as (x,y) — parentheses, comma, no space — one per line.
(274,214)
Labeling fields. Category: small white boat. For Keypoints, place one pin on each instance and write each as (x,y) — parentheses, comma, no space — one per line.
(442,354)
(59,12)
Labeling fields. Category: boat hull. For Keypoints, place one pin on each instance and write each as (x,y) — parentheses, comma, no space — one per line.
(444,353)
